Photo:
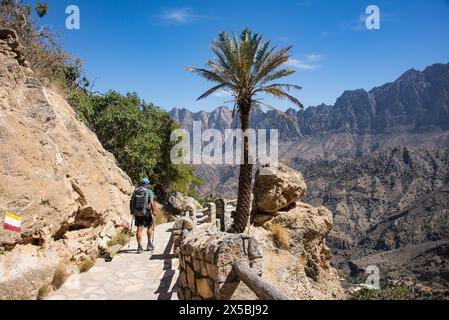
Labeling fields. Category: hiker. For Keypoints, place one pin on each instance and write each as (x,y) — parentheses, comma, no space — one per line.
(143,208)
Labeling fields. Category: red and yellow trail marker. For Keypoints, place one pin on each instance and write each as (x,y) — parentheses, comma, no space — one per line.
(12,222)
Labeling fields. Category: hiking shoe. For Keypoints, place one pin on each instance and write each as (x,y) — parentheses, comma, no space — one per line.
(139,249)
(150,246)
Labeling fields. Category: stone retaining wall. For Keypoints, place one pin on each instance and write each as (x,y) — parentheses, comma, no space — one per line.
(180,225)
(206,259)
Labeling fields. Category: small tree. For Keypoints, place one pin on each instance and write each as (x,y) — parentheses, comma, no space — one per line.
(247,67)
(41,9)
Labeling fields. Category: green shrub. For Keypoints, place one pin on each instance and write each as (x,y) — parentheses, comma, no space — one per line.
(138,135)
(388,293)
(41,9)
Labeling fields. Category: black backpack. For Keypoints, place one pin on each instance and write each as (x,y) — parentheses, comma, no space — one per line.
(139,202)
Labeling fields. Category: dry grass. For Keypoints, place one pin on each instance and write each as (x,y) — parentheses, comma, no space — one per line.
(60,277)
(86,265)
(161,216)
(43,292)
(281,236)
(119,239)
(301,265)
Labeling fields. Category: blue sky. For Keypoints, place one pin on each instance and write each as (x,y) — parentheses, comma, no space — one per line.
(143,45)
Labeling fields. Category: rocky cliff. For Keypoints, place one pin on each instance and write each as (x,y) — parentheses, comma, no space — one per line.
(297,258)
(54,175)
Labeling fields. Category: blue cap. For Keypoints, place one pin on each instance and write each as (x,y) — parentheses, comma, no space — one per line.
(145,182)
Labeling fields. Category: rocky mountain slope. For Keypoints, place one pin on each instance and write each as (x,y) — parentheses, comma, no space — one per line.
(364,192)
(411,247)
(54,175)
(390,210)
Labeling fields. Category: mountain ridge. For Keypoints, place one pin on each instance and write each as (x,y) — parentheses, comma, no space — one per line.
(416,101)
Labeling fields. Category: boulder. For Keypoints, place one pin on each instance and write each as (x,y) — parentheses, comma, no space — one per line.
(278,191)
(10,42)
(179,203)
(303,268)
(308,228)
(306,272)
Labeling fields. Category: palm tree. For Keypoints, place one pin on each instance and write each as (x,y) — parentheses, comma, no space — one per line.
(246,67)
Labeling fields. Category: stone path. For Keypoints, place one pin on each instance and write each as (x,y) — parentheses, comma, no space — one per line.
(129,276)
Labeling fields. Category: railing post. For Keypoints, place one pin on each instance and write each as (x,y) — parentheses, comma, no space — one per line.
(220,205)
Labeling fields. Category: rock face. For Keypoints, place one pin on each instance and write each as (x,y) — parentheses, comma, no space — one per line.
(12,47)
(363,193)
(56,176)
(278,191)
(306,269)
(410,246)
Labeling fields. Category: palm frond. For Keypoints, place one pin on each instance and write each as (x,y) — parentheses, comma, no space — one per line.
(224,73)
(212,90)
(209,75)
(284,86)
(261,55)
(272,63)
(278,112)
(278,93)
(220,58)
(225,45)
(276,75)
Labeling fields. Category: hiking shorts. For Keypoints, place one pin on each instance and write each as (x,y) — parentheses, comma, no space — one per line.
(144,221)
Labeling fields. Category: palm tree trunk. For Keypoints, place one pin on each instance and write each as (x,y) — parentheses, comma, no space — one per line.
(245,180)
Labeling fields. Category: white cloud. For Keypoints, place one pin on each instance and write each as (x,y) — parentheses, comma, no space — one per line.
(309,63)
(314,57)
(358,25)
(180,15)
